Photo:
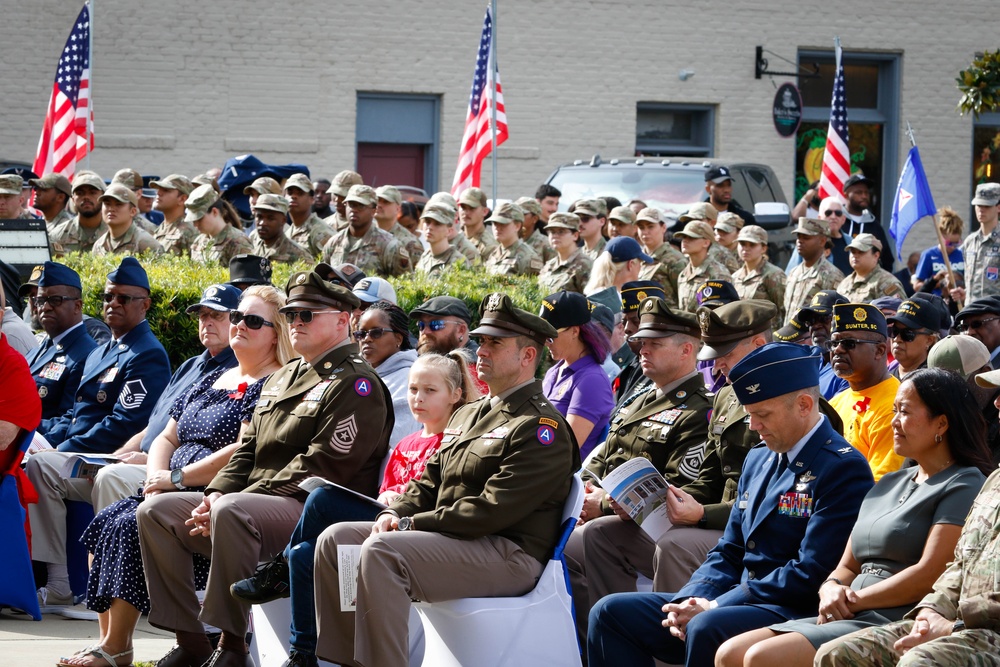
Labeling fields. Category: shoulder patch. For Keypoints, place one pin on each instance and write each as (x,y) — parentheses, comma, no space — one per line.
(548,422)
(363,386)
(546,435)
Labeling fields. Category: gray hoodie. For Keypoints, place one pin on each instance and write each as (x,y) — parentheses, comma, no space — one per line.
(395,373)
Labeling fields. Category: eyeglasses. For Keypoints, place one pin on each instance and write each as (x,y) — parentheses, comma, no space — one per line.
(374,334)
(435,325)
(971,326)
(848,343)
(307,315)
(252,321)
(906,335)
(123,299)
(835,212)
(54,301)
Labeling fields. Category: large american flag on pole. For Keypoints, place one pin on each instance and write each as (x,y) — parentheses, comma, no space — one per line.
(477,142)
(66,137)
(837,158)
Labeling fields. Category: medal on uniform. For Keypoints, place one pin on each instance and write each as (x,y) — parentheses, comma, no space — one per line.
(43,391)
(110,375)
(53,371)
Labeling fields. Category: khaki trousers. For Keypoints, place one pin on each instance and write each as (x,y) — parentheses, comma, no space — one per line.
(246,529)
(398,567)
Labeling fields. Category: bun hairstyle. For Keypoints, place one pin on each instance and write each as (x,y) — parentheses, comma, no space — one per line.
(949,222)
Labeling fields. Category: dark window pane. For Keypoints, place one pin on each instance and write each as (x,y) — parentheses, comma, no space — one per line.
(860,81)
(662,125)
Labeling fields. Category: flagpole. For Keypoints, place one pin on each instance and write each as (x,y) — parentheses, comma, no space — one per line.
(90,96)
(493,95)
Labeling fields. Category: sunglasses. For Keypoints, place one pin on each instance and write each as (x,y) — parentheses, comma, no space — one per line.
(252,321)
(906,335)
(848,343)
(54,301)
(123,299)
(434,325)
(837,212)
(374,334)
(971,326)
(307,315)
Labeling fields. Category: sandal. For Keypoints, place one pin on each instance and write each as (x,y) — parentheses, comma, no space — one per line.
(98,652)
(84,651)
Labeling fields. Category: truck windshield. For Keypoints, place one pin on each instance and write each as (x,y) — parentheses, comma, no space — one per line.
(671,191)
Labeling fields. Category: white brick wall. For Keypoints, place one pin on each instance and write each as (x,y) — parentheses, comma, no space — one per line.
(182,85)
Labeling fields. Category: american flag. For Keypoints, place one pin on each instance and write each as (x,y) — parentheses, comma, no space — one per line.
(477,141)
(837,158)
(65,141)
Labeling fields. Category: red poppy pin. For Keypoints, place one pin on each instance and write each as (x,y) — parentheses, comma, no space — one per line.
(861,407)
(240,392)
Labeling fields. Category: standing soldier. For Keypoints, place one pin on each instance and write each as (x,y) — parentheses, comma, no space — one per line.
(758,278)
(437,220)
(530,232)
(708,214)
(815,273)
(132,180)
(869,281)
(472,210)
(268,237)
(570,269)
(218,241)
(668,260)
(265,185)
(696,241)
(621,222)
(727,228)
(342,184)
(119,206)
(386,214)
(591,226)
(175,234)
(52,195)
(307,230)
(363,243)
(79,234)
(511,256)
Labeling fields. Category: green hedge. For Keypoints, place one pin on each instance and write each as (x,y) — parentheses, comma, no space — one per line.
(177,282)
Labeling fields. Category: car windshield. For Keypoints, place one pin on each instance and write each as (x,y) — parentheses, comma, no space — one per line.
(672,191)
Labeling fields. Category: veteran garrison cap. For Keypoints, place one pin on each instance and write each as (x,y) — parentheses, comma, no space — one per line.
(703,210)
(724,327)
(200,201)
(177,182)
(500,318)
(657,320)
(265,185)
(362,194)
(222,298)
(507,213)
(530,205)
(250,270)
(36,274)
(774,370)
(343,182)
(609,296)
(300,181)
(622,214)
(53,274)
(120,192)
(569,221)
(447,306)
(850,317)
(50,181)
(715,293)
(10,184)
(130,272)
(637,291)
(566,309)
(308,289)
(271,202)
(89,178)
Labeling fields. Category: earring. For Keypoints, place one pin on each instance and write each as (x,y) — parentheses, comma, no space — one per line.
(938,438)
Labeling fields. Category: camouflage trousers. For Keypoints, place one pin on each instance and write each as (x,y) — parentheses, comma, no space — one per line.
(872,647)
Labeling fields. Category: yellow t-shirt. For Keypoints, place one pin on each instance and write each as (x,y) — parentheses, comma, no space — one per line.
(867,419)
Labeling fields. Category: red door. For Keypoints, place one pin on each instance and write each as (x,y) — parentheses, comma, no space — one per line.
(391,164)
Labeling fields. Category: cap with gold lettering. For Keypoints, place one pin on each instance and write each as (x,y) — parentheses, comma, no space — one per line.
(724,327)
(501,319)
(848,317)
(637,291)
(657,320)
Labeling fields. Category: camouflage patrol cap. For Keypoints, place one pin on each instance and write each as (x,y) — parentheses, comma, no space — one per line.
(444,198)
(501,319)
(89,178)
(602,207)
(753,234)
(130,178)
(729,222)
(696,229)
(50,181)
(850,317)
(265,185)
(622,214)
(650,214)
(199,202)
(390,193)
(530,206)
(700,211)
(812,227)
(300,181)
(308,289)
(10,184)
(344,181)
(563,221)
(987,194)
(506,213)
(473,197)
(439,213)
(657,320)
(120,192)
(865,243)
(724,327)
(270,202)
(177,182)
(591,207)
(362,194)
(205,179)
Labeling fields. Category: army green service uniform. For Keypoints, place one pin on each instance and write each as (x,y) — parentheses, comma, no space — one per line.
(376,252)
(517,260)
(691,278)
(804,281)
(311,234)
(408,240)
(433,265)
(223,247)
(596,252)
(176,236)
(540,244)
(879,283)
(72,237)
(766,282)
(135,240)
(284,250)
(669,262)
(571,275)
(484,242)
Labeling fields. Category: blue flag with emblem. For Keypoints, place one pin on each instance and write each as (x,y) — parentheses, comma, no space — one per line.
(913,199)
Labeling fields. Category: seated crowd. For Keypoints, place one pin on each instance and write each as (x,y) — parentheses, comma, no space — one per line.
(828,444)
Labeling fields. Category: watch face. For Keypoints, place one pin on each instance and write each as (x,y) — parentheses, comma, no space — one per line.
(405,523)
(176,477)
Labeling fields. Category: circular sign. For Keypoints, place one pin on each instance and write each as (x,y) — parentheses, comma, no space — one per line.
(787,110)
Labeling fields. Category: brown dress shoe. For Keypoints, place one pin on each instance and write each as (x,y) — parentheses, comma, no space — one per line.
(224,658)
(180,657)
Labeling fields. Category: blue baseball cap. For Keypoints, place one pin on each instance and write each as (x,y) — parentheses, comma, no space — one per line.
(222,298)
(774,370)
(624,248)
(130,272)
(637,291)
(59,274)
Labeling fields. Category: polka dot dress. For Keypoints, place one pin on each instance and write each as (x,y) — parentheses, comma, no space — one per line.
(207,420)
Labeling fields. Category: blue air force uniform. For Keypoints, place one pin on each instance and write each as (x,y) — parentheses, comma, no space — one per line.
(57,369)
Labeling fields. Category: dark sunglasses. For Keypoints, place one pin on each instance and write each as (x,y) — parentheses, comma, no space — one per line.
(838,213)
(54,301)
(847,343)
(252,321)
(906,335)
(435,325)
(306,315)
(971,326)
(123,299)
(374,334)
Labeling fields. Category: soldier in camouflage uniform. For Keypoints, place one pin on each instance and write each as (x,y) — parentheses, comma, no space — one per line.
(363,243)
(306,228)
(52,195)
(132,180)
(530,233)
(268,238)
(668,260)
(815,273)
(123,235)
(727,229)
(707,213)
(342,184)
(79,233)
(175,234)
(218,241)
(588,211)
(869,281)
(265,185)
(981,248)
(386,214)
(621,222)
(456,238)
(472,210)
(758,278)
(570,269)
(696,240)
(10,197)
(436,221)
(512,256)
(958,623)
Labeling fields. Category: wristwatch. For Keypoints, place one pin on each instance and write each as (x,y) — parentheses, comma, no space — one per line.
(406,523)
(177,478)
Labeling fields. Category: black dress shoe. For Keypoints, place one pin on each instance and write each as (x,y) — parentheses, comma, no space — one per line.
(224,658)
(296,659)
(269,582)
(179,657)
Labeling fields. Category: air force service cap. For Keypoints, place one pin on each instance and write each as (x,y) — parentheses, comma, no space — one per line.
(774,370)
(130,272)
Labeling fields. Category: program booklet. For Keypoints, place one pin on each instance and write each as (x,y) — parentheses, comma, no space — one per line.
(86,466)
(641,491)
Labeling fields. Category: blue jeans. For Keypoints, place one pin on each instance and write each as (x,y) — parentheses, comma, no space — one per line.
(324,507)
(625,630)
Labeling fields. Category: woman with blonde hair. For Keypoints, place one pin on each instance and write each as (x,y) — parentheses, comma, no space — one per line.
(618,264)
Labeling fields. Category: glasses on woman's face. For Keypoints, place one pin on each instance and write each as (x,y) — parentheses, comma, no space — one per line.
(837,212)
(434,325)
(54,301)
(306,315)
(905,335)
(374,334)
(252,321)
(848,343)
